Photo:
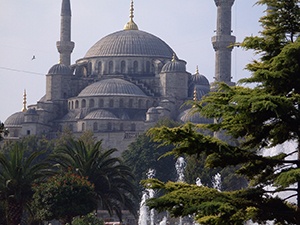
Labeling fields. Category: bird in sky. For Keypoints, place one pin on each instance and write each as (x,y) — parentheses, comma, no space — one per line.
(33,57)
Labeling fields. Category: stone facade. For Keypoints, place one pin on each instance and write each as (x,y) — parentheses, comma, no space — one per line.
(124,84)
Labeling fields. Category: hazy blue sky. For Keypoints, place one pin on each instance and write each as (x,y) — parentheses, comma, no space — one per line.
(31,27)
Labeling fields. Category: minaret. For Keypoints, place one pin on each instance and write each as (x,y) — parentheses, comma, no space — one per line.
(223,42)
(65,46)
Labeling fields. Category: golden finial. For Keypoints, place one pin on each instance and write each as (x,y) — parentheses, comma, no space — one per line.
(131,25)
(197,70)
(24,101)
(174,57)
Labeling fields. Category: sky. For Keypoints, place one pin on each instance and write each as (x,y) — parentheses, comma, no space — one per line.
(31,28)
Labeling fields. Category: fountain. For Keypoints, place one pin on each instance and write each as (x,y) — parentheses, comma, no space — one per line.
(146,217)
(217,182)
(180,166)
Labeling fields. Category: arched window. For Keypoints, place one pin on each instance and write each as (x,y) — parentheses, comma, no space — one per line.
(99,67)
(121,126)
(123,66)
(110,67)
(132,127)
(76,104)
(92,103)
(109,126)
(147,104)
(130,103)
(111,103)
(101,103)
(140,103)
(72,105)
(95,126)
(135,66)
(147,67)
(121,103)
(69,105)
(83,103)
(83,127)
(89,68)
(71,127)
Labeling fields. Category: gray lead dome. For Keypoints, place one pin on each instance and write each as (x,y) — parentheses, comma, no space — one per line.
(130,43)
(110,87)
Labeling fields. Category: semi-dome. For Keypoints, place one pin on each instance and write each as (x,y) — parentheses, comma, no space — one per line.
(189,116)
(130,43)
(101,114)
(60,69)
(16,119)
(109,87)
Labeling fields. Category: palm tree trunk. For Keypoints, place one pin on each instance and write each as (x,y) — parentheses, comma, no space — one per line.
(14,212)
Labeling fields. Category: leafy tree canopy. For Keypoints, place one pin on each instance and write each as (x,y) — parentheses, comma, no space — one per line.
(63,197)
(112,179)
(249,120)
(17,175)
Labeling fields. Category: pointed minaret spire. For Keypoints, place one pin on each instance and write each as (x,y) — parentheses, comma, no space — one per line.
(24,101)
(131,25)
(65,46)
(223,41)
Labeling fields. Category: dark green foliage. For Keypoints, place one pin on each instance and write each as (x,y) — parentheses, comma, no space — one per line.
(258,118)
(113,180)
(87,220)
(63,197)
(214,207)
(144,154)
(17,175)
(196,169)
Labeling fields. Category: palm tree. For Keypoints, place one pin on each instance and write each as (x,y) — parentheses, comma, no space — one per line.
(113,181)
(17,176)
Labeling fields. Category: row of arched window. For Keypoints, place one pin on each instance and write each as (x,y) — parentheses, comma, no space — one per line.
(111,103)
(118,67)
(105,127)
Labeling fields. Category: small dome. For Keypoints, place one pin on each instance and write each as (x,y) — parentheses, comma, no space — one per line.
(174,65)
(60,69)
(130,43)
(109,87)
(189,116)
(199,79)
(101,114)
(152,110)
(16,119)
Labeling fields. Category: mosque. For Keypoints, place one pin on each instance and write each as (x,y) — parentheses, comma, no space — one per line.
(123,85)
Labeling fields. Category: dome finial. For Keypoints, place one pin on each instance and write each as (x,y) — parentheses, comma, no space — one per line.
(197,69)
(24,101)
(131,25)
(174,57)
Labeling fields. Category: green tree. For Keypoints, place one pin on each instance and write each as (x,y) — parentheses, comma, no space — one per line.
(63,197)
(261,117)
(87,220)
(144,154)
(113,180)
(17,175)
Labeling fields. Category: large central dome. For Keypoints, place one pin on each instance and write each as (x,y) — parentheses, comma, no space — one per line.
(130,43)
